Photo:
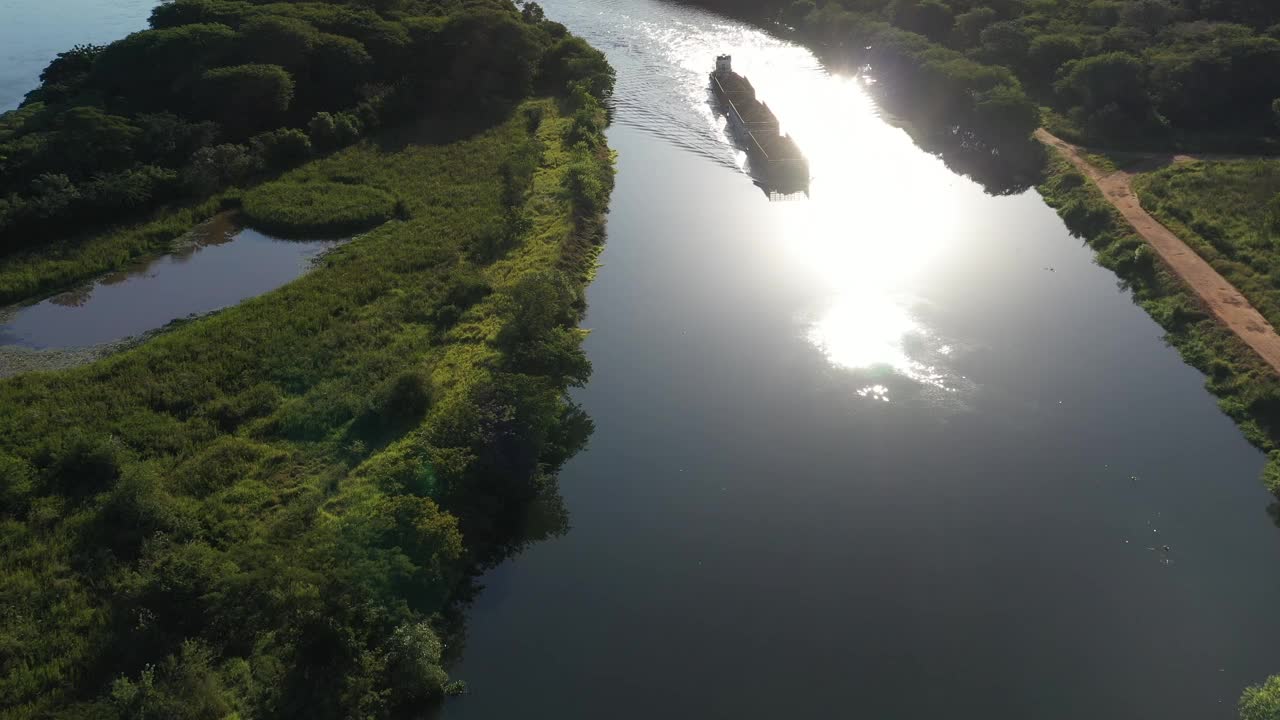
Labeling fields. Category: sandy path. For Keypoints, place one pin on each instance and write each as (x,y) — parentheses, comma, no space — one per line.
(1224,301)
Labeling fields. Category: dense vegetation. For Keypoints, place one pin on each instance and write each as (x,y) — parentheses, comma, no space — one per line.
(1148,72)
(271,510)
(223,92)
(318,208)
(277,510)
(1229,211)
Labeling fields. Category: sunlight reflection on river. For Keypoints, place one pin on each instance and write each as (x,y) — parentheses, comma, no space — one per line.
(872,225)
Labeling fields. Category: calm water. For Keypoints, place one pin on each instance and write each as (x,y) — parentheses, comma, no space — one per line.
(866,455)
(33,32)
(220,264)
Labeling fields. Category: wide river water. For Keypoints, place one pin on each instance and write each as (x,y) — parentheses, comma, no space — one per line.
(899,450)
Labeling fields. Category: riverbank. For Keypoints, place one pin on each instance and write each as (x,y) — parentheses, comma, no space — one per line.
(1211,289)
(1242,380)
(288,498)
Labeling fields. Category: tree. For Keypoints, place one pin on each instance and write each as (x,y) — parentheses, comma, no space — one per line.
(1005,43)
(148,70)
(489,59)
(1113,78)
(927,17)
(170,140)
(414,657)
(71,65)
(283,148)
(91,140)
(1048,53)
(1261,702)
(323,131)
(244,98)
(1005,115)
(532,13)
(65,76)
(571,60)
(338,66)
(1149,16)
(213,168)
(275,40)
(970,25)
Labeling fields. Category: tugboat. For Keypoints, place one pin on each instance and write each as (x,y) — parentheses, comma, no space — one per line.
(776,161)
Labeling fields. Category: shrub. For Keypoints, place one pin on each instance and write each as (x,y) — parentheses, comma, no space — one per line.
(214,168)
(1261,702)
(246,97)
(316,208)
(283,148)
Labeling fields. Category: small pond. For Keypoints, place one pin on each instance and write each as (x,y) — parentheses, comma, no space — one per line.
(217,265)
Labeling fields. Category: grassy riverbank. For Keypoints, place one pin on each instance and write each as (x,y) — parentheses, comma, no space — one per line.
(1247,389)
(1229,212)
(271,511)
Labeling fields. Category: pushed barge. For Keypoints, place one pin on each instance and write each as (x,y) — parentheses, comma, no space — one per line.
(776,160)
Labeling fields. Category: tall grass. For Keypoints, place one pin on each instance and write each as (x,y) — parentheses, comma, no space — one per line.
(296,209)
(1226,211)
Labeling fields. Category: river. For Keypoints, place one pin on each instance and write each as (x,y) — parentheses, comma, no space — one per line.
(32,32)
(898,450)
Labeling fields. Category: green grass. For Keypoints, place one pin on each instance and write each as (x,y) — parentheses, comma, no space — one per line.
(1224,211)
(271,511)
(1246,387)
(311,209)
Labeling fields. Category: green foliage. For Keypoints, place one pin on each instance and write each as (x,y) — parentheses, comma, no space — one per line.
(267,512)
(316,208)
(215,93)
(214,168)
(282,148)
(1191,72)
(279,40)
(1227,211)
(1261,702)
(1247,388)
(244,98)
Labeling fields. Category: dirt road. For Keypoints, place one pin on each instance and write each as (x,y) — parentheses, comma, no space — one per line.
(1224,301)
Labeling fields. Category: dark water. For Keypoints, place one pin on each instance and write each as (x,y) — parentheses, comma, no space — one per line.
(220,264)
(867,455)
(33,32)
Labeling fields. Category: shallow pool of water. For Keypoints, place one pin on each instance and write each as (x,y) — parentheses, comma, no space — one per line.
(217,265)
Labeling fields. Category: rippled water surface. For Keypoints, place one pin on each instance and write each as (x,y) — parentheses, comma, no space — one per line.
(899,450)
(217,265)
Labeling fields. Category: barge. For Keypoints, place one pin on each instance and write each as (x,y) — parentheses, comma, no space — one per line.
(775,160)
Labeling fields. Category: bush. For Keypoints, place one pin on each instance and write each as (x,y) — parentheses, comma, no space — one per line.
(1261,702)
(316,208)
(283,148)
(246,97)
(214,168)
(329,131)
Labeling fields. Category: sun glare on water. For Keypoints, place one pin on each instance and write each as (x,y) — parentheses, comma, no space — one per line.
(869,232)
(875,221)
